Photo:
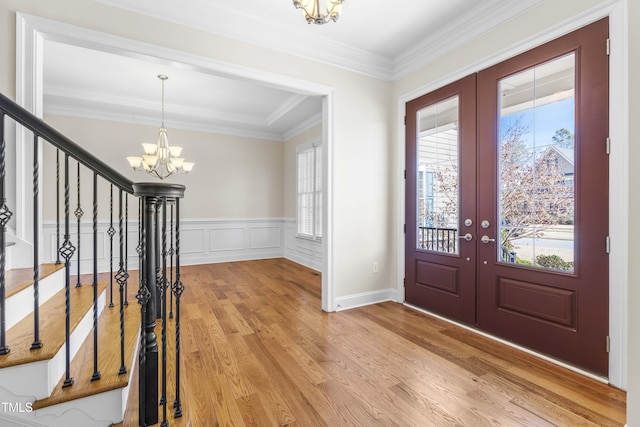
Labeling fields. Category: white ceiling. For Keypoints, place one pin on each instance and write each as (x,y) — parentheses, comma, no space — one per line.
(371,37)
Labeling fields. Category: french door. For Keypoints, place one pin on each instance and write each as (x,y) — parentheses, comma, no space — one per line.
(507,199)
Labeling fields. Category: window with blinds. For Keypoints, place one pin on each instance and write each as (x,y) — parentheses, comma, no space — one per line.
(309,171)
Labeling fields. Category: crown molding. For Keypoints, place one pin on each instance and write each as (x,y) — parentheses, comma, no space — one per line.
(304,126)
(117,115)
(289,104)
(230,23)
(83,99)
(491,14)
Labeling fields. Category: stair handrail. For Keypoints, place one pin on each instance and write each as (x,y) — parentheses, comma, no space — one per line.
(154,199)
(65,144)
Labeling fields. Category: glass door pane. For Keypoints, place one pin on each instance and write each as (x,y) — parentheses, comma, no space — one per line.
(437,178)
(537,166)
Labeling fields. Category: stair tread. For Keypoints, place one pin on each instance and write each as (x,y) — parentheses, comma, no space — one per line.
(52,327)
(109,361)
(18,279)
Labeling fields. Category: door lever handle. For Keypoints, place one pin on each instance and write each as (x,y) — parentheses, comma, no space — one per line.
(468,237)
(487,239)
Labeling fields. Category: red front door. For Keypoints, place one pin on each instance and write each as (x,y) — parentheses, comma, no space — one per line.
(441,201)
(535,271)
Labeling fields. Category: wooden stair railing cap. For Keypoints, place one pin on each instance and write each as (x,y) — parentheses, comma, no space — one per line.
(156,189)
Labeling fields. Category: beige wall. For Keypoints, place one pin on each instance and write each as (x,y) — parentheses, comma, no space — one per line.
(365,161)
(234,177)
(361,132)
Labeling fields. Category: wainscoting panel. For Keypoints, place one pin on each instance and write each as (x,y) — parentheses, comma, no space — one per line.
(207,241)
(226,239)
(265,237)
(303,251)
(191,241)
(201,242)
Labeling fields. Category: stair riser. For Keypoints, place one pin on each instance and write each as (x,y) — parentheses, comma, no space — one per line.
(20,304)
(102,410)
(84,328)
(97,411)
(26,380)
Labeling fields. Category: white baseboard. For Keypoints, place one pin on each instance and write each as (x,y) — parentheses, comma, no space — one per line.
(366,298)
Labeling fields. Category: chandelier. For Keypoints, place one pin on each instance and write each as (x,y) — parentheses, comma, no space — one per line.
(160,159)
(313,12)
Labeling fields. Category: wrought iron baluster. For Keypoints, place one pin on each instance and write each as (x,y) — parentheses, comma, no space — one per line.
(5,216)
(158,255)
(171,253)
(78,213)
(431,246)
(143,296)
(126,248)
(455,239)
(163,291)
(111,232)
(121,278)
(96,372)
(66,251)
(58,207)
(140,242)
(36,246)
(178,288)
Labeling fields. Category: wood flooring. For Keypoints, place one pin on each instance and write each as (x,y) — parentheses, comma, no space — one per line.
(258,351)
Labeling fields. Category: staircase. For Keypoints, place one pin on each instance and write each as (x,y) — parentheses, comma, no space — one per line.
(81,346)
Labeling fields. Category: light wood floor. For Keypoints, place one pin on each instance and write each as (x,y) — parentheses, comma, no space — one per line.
(259,351)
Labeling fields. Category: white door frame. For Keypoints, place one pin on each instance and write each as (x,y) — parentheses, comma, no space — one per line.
(32,31)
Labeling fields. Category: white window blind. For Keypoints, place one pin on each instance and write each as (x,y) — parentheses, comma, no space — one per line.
(309,169)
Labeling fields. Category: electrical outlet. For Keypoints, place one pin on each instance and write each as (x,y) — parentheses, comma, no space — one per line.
(375,267)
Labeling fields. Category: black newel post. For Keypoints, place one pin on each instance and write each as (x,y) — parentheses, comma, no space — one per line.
(149,320)
(152,196)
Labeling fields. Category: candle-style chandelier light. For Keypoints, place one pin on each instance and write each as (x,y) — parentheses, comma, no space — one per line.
(320,11)
(160,159)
